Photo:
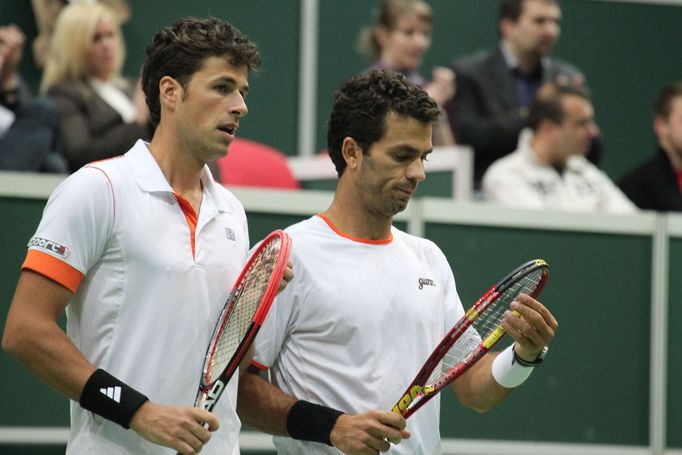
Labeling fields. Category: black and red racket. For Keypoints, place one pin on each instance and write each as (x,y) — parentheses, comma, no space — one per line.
(472,336)
(242,316)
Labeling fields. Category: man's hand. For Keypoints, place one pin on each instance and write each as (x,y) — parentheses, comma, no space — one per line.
(368,433)
(11,50)
(288,276)
(532,327)
(179,428)
(442,87)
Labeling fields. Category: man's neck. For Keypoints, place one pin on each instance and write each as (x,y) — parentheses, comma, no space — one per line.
(543,152)
(181,170)
(525,63)
(675,157)
(353,219)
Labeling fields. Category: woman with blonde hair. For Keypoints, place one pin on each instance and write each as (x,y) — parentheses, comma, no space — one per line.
(398,40)
(102,114)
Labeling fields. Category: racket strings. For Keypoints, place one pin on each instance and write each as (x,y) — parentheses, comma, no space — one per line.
(486,323)
(244,302)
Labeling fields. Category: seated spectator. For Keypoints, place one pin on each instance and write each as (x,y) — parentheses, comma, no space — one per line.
(657,183)
(495,86)
(249,163)
(549,169)
(28,127)
(398,40)
(101,113)
(46,13)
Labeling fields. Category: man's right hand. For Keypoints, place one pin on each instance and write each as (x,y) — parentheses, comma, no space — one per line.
(179,428)
(368,433)
(11,50)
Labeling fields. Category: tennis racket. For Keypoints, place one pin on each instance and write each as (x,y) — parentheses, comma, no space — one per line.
(242,316)
(473,335)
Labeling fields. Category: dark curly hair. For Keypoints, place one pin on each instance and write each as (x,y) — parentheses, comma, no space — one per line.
(180,49)
(362,103)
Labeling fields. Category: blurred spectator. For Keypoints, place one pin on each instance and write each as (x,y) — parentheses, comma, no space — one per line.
(657,183)
(28,127)
(101,113)
(398,40)
(495,87)
(549,169)
(47,11)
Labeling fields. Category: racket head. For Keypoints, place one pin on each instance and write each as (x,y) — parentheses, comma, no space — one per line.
(246,308)
(473,335)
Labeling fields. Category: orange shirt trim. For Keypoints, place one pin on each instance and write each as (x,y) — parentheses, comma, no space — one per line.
(355,239)
(53,268)
(259,365)
(190,216)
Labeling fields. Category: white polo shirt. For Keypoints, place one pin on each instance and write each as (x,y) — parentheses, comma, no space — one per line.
(356,324)
(521,180)
(149,280)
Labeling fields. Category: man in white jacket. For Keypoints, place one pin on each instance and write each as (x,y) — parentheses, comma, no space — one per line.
(549,170)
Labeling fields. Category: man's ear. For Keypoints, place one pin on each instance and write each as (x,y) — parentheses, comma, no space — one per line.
(352,152)
(660,123)
(505,26)
(547,128)
(170,92)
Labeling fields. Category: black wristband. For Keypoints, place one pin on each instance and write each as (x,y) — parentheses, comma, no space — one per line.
(311,422)
(105,395)
(526,363)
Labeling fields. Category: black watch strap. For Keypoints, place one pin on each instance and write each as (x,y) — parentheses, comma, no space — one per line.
(534,363)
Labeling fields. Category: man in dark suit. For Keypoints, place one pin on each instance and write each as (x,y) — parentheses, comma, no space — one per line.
(656,184)
(495,87)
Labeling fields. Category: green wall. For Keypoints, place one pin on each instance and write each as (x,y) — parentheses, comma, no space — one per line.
(627,50)
(594,385)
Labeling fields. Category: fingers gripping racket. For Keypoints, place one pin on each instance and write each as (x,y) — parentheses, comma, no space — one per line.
(242,316)
(472,336)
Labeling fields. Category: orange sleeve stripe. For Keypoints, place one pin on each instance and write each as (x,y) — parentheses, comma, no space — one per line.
(258,365)
(53,268)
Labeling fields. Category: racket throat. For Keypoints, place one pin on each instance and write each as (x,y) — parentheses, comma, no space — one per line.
(207,399)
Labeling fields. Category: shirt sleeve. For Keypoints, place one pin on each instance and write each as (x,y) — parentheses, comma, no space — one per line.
(74,230)
(614,200)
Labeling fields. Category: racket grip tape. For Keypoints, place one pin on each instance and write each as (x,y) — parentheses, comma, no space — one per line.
(111,398)
(308,421)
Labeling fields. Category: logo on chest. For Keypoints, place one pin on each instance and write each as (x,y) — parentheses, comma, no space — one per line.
(229,233)
(426,282)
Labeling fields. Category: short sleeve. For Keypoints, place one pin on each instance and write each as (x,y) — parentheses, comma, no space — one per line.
(74,230)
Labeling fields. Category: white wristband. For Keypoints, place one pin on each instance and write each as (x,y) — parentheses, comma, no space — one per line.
(508,373)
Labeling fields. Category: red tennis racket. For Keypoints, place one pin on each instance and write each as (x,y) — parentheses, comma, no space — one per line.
(473,335)
(242,316)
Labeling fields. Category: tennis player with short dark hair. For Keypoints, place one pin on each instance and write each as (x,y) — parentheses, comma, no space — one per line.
(370,302)
(127,247)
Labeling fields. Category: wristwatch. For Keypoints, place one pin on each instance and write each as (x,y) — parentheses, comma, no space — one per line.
(534,363)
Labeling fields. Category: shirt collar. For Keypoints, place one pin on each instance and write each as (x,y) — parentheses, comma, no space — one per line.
(150,178)
(513,63)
